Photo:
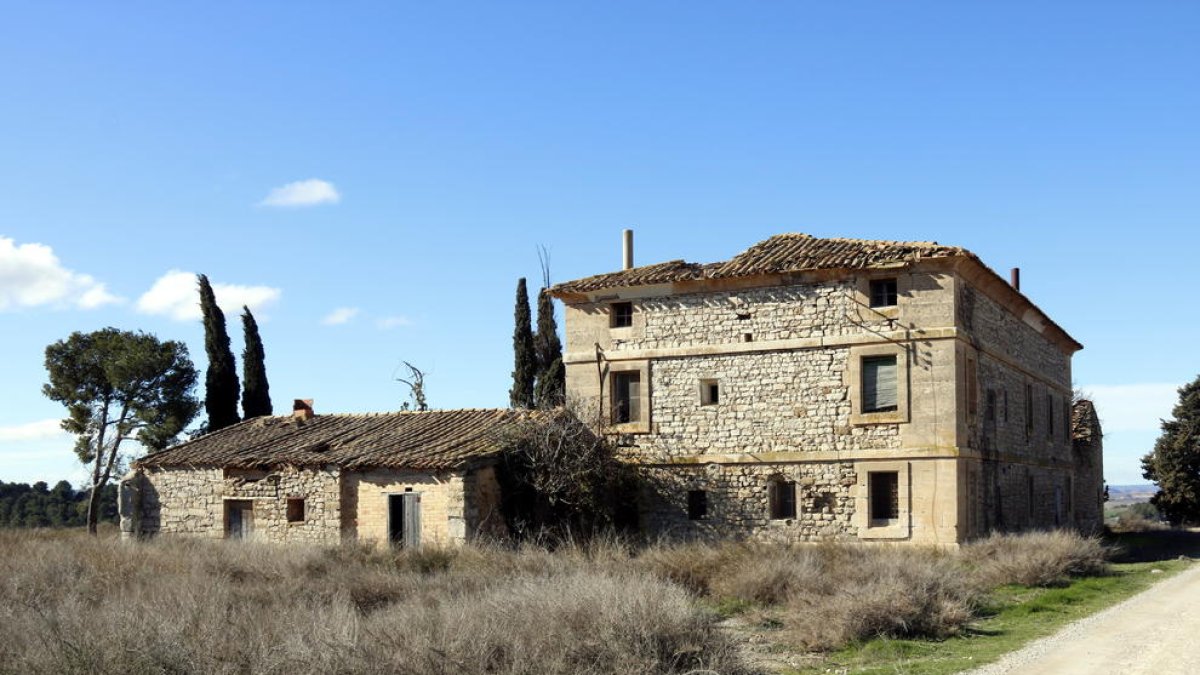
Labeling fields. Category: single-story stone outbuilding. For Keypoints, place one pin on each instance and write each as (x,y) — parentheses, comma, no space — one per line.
(402,478)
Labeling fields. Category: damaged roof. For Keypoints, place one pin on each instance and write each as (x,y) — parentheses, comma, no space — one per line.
(432,440)
(781,254)
(1085,423)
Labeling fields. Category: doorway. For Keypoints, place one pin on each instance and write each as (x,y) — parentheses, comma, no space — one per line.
(404,519)
(239,518)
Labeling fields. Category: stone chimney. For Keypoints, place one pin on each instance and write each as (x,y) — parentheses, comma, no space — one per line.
(1016,278)
(302,409)
(627,250)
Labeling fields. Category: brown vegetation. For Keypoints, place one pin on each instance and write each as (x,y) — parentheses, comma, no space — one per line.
(72,604)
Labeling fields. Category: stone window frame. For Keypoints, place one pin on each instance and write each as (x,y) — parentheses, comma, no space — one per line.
(619,320)
(778,486)
(642,424)
(854,374)
(862,294)
(902,528)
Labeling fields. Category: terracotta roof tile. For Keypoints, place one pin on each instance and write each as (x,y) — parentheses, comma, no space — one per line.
(434,440)
(781,254)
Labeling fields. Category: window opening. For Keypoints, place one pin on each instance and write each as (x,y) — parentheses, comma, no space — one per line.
(710,392)
(627,405)
(621,314)
(884,488)
(697,504)
(883,292)
(295,509)
(879,384)
(781,494)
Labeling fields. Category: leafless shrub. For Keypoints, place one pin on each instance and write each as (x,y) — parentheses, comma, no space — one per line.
(1035,558)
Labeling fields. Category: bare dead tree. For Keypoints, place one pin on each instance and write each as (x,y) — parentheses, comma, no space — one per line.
(416,388)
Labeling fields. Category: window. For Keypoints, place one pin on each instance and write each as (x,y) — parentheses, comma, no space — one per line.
(1006,404)
(295,510)
(710,392)
(972,387)
(884,495)
(626,397)
(879,384)
(989,408)
(1049,415)
(781,495)
(883,292)
(1067,421)
(620,314)
(1028,410)
(697,504)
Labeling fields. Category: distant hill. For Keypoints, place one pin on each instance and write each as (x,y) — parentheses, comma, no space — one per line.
(1131,493)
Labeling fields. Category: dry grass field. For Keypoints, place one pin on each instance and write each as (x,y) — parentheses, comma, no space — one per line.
(74,604)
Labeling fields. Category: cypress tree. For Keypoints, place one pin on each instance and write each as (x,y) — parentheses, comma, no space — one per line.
(551,380)
(221,380)
(524,353)
(256,392)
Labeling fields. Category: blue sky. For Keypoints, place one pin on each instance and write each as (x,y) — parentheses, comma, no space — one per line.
(427,149)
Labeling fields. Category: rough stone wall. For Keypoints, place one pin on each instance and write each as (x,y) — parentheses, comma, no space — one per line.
(443,511)
(484,519)
(1089,479)
(738,505)
(997,330)
(192,502)
(1024,497)
(770,402)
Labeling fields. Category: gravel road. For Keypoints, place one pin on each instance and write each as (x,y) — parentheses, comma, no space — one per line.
(1155,632)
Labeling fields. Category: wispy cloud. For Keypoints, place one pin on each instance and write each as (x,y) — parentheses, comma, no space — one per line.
(389,322)
(31,275)
(311,192)
(340,316)
(1133,407)
(33,431)
(175,294)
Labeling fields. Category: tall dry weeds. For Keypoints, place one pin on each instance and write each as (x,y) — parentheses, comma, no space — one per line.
(1035,558)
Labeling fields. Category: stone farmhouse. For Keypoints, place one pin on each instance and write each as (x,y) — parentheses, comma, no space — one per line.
(402,478)
(811,388)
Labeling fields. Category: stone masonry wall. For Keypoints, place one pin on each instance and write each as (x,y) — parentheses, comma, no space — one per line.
(738,501)
(443,510)
(769,402)
(192,502)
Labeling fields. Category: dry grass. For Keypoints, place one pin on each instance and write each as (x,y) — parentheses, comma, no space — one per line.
(1035,558)
(69,603)
(73,605)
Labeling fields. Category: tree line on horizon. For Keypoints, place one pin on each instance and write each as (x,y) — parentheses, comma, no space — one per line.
(39,505)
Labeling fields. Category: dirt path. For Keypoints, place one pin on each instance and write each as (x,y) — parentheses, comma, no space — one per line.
(1156,632)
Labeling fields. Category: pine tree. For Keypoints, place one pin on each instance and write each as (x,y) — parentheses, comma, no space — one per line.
(1174,464)
(524,354)
(256,392)
(551,379)
(221,380)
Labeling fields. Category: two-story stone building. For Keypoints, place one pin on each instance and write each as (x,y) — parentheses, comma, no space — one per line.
(811,388)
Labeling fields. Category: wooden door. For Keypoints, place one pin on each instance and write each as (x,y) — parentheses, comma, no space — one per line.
(404,519)
(239,519)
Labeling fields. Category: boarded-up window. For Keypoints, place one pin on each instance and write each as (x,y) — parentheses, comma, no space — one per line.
(627,397)
(884,489)
(295,510)
(697,504)
(621,314)
(883,292)
(781,494)
(879,384)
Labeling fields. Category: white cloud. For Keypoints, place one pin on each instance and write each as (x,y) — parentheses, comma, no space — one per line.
(31,275)
(340,316)
(33,431)
(1133,407)
(175,294)
(311,192)
(389,322)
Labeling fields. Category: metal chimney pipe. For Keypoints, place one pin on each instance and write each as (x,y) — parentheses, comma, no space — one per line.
(1016,278)
(627,250)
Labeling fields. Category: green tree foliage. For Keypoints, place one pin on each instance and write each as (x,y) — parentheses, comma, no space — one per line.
(221,380)
(23,505)
(256,392)
(1174,464)
(524,354)
(117,385)
(551,376)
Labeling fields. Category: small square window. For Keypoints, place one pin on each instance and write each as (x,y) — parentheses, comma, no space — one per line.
(697,504)
(621,314)
(295,510)
(883,293)
(710,392)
